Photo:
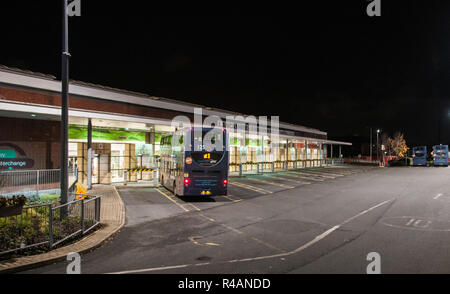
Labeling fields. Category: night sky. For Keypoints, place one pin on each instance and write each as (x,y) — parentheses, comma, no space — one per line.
(327,65)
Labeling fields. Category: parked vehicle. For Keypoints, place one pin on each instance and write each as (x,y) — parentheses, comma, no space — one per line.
(188,169)
(419,155)
(440,155)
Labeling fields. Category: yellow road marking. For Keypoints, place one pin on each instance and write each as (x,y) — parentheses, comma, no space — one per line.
(231,199)
(207,217)
(195,207)
(193,240)
(267,244)
(170,198)
(232,229)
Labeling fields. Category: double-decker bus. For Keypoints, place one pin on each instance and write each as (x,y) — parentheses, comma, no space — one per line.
(440,155)
(187,168)
(419,156)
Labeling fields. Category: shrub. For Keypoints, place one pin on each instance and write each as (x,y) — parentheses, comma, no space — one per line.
(49,197)
(12,201)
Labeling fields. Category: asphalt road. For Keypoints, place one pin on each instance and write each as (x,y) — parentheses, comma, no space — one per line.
(308,221)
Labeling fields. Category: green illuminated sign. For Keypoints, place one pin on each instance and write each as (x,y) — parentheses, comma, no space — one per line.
(6,153)
(77,132)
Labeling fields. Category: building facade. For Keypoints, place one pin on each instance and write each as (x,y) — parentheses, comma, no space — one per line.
(126,130)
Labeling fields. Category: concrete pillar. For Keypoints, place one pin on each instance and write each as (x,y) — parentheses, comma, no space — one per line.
(89,155)
(306,153)
(286,156)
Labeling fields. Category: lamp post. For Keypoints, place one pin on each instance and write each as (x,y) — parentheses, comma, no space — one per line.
(378,146)
(370,144)
(64,110)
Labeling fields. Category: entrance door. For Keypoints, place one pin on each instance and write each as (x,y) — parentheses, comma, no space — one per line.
(95,169)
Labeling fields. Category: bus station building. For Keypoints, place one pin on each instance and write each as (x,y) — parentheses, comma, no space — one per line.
(126,129)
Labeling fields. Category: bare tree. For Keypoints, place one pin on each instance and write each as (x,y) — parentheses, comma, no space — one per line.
(398,145)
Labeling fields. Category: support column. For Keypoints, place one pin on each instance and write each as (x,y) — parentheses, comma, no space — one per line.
(306,152)
(320,154)
(287,154)
(89,155)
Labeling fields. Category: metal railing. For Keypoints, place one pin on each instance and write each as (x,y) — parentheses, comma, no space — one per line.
(264,167)
(43,225)
(33,182)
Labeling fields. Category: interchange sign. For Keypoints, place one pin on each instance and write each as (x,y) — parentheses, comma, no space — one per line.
(10,161)
(16,163)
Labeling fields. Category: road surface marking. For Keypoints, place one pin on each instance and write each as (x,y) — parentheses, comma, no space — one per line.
(437,196)
(303,177)
(195,207)
(151,269)
(317,174)
(170,198)
(232,229)
(231,199)
(337,172)
(299,249)
(249,187)
(272,183)
(193,239)
(207,217)
(289,180)
(268,245)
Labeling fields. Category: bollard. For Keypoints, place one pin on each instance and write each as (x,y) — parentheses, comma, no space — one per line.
(124,177)
(240,169)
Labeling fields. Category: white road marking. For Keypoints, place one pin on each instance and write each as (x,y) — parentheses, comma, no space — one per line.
(272,183)
(151,269)
(437,196)
(253,188)
(299,249)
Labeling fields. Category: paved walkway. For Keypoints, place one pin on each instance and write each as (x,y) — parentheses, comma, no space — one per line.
(112,218)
